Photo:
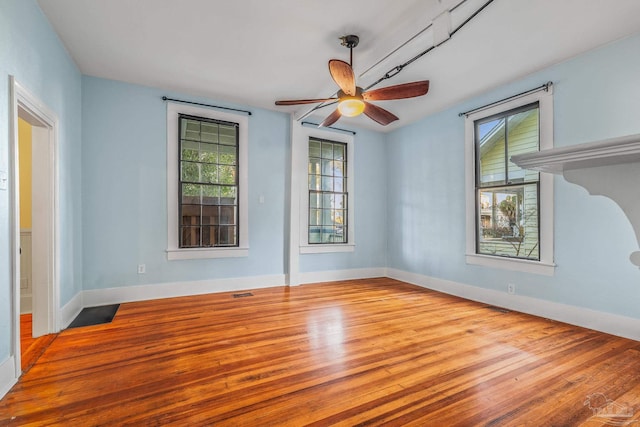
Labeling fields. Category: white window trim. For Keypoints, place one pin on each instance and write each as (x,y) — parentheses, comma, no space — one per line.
(301,154)
(546,265)
(174,252)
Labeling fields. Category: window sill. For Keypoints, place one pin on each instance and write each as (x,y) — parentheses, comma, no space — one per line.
(204,253)
(521,265)
(323,249)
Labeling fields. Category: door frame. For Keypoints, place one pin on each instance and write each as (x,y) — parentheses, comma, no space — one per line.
(45,141)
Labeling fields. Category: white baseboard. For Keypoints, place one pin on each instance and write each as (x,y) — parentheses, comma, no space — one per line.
(7,376)
(71,310)
(97,297)
(335,275)
(614,324)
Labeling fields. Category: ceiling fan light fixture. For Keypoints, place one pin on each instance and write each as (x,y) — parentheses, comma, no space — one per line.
(351,107)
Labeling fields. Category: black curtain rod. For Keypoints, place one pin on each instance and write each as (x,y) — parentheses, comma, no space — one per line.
(328,127)
(164,98)
(544,87)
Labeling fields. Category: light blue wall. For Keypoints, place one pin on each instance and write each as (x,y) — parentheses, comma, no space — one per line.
(370,210)
(124,190)
(31,51)
(596,96)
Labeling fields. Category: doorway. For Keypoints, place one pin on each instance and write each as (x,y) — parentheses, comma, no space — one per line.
(43,126)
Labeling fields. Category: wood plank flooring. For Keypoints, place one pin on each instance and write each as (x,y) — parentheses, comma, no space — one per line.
(31,348)
(364,352)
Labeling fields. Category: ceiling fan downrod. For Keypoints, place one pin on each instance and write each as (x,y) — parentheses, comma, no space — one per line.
(350,42)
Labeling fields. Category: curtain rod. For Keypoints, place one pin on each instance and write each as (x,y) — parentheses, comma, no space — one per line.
(248,113)
(328,127)
(544,87)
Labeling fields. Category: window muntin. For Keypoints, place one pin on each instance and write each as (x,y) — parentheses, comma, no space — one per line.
(327,185)
(507,197)
(208,187)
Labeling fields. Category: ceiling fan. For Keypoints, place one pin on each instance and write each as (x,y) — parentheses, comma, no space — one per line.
(353,100)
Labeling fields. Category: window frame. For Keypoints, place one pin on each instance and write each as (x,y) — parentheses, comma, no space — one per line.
(546,265)
(174,251)
(303,194)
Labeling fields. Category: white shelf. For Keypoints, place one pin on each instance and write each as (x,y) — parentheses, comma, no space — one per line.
(610,168)
(625,149)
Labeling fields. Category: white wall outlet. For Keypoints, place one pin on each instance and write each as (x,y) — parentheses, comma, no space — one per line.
(511,288)
(142,268)
(3,180)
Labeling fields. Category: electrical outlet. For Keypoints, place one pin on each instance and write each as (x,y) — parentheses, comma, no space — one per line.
(511,288)
(142,268)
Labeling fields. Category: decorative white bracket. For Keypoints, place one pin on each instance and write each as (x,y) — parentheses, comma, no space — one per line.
(610,168)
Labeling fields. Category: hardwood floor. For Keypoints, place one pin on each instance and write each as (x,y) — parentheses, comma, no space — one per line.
(31,348)
(365,352)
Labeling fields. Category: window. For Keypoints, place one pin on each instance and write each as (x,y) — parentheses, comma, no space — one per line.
(327,192)
(507,196)
(208,200)
(323,174)
(206,183)
(509,209)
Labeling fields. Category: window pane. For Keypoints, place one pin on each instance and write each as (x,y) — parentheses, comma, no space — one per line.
(338,152)
(491,148)
(508,221)
(209,158)
(190,171)
(315,217)
(315,235)
(209,236)
(314,149)
(228,135)
(191,215)
(210,215)
(327,201)
(208,153)
(227,174)
(327,183)
(227,215)
(189,150)
(314,182)
(228,195)
(209,173)
(209,132)
(191,194)
(227,235)
(228,155)
(210,195)
(327,150)
(523,138)
(189,237)
(315,200)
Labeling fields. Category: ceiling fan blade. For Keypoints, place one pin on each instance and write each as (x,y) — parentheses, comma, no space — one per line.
(342,74)
(331,119)
(378,114)
(304,101)
(401,91)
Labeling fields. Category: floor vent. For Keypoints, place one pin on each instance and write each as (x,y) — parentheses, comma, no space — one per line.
(246,294)
(498,309)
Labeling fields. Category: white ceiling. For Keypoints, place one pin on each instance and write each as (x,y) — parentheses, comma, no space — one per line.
(254,52)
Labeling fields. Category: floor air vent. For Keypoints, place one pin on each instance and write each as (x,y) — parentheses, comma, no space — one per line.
(246,294)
